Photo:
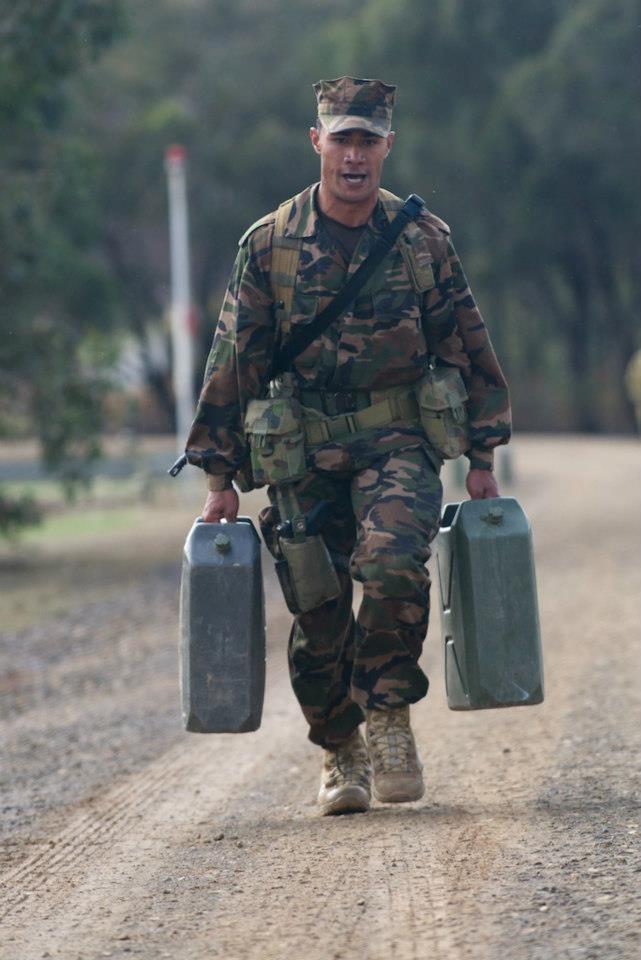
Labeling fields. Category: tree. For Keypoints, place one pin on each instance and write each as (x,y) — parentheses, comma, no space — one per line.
(55,289)
(567,120)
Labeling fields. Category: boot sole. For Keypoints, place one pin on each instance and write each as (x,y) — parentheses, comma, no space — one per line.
(350,800)
(398,796)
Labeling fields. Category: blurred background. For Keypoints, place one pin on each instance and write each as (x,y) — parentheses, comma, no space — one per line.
(518,122)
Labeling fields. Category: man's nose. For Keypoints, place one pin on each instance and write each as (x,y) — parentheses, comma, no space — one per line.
(353,152)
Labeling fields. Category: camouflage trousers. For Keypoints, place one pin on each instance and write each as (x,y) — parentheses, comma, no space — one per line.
(383,515)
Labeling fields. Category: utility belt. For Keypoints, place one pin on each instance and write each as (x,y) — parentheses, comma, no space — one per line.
(369,410)
(283,426)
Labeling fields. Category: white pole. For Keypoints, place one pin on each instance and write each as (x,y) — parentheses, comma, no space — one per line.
(181,334)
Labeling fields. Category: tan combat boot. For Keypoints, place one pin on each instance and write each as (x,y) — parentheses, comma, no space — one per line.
(345,778)
(397,769)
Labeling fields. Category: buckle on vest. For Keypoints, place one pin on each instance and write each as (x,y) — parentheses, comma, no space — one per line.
(336,404)
(352,425)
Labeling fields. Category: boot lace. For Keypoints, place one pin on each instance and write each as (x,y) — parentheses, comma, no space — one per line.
(349,763)
(391,742)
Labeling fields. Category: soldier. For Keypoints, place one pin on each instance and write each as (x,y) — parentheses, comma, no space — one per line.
(351,437)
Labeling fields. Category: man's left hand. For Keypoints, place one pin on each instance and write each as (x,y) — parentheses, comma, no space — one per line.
(481,484)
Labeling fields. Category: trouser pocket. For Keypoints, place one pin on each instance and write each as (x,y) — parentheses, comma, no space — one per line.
(441,396)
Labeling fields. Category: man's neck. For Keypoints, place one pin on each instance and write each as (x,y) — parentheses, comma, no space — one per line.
(349,214)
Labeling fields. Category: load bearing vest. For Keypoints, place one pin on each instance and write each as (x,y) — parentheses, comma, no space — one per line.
(286,255)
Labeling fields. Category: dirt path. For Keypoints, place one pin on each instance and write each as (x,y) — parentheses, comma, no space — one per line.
(126,837)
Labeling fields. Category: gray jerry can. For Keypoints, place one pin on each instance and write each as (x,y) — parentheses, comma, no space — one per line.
(489,609)
(222,628)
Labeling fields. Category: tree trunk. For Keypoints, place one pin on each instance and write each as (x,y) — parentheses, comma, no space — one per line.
(578,334)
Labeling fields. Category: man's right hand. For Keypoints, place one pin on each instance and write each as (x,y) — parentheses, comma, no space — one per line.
(219,505)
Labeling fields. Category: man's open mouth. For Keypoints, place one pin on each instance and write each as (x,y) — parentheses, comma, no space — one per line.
(354,177)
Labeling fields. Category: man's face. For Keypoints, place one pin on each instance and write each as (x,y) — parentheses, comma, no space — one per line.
(351,162)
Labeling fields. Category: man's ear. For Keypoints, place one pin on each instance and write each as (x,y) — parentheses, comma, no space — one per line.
(390,141)
(314,136)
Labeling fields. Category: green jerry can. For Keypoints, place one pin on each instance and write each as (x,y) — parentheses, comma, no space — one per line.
(222,628)
(489,609)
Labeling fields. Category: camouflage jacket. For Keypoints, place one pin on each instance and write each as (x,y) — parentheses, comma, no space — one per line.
(383,341)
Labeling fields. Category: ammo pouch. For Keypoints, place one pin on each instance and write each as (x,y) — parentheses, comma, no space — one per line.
(274,429)
(441,396)
(306,573)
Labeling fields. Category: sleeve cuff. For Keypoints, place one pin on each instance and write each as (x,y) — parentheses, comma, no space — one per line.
(217,482)
(481,459)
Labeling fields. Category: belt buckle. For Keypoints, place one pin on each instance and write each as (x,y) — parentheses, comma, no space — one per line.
(345,401)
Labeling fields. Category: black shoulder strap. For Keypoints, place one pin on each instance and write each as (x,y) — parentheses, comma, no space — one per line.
(305,334)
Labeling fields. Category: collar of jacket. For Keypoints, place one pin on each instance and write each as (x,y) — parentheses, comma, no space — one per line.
(303,219)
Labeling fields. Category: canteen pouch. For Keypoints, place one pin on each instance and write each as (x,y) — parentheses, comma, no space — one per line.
(441,397)
(274,429)
(282,572)
(306,573)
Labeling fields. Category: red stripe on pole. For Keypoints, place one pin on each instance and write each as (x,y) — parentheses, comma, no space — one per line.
(175,154)
(193,320)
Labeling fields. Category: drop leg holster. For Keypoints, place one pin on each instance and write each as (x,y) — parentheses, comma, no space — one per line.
(304,566)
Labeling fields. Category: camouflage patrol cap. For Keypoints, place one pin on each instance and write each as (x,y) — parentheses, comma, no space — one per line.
(350,103)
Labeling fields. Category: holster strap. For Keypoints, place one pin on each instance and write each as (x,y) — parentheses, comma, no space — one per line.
(386,411)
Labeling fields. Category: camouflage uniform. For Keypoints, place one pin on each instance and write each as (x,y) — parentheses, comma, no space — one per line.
(382,483)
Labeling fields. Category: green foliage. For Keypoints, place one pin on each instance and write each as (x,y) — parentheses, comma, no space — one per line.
(16,513)
(41,44)
(55,285)
(566,121)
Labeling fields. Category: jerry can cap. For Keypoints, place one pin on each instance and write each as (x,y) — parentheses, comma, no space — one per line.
(222,543)
(494,515)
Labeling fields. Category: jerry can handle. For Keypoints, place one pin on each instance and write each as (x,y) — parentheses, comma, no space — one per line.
(243,520)
(448,516)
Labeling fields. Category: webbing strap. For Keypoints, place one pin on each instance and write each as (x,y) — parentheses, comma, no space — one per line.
(389,410)
(307,333)
(391,203)
(289,509)
(284,267)
(422,278)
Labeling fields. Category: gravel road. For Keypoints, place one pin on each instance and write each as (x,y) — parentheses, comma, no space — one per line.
(124,836)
